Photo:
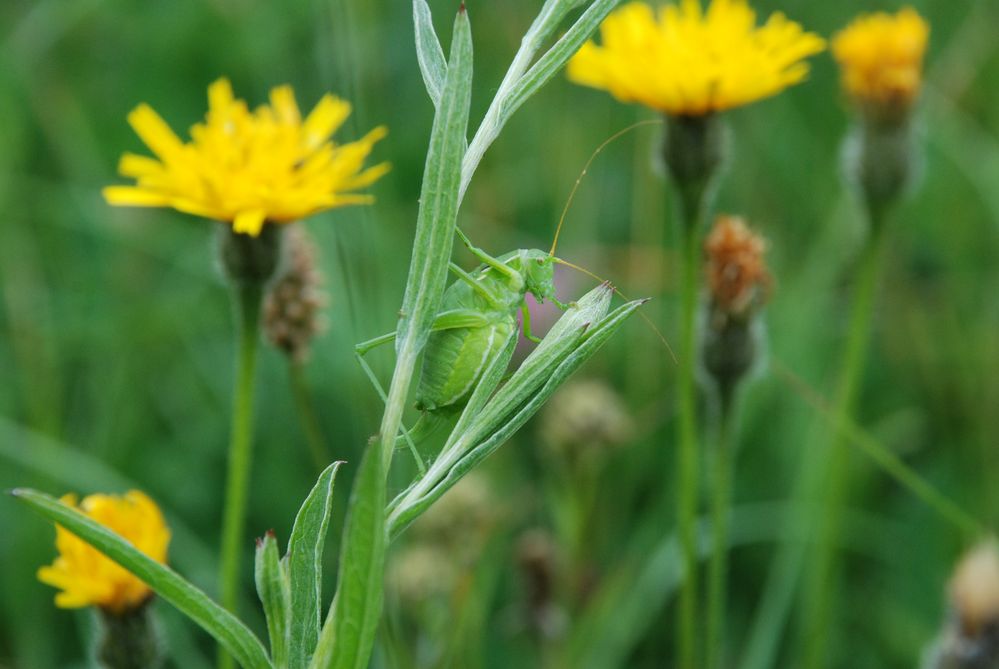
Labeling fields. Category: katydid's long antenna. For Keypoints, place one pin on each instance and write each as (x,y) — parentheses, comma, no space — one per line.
(586,167)
(645,318)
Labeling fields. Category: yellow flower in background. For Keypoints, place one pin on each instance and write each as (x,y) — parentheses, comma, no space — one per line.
(247,168)
(881,57)
(689,62)
(88,578)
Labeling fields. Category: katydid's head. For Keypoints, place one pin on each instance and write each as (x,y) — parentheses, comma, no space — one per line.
(539,273)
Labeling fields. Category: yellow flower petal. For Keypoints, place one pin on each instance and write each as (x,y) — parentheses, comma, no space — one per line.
(246,167)
(249,222)
(134,197)
(86,577)
(687,61)
(154,131)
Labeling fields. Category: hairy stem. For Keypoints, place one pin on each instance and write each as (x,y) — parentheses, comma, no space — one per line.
(247,299)
(687,455)
(721,500)
(820,585)
(307,417)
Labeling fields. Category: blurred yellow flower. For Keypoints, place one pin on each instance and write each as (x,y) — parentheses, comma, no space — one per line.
(248,168)
(881,57)
(88,578)
(691,62)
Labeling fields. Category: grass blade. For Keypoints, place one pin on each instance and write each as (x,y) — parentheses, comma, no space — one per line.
(196,605)
(305,556)
(274,590)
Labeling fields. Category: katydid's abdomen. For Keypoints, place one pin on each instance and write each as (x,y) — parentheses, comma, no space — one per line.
(455,359)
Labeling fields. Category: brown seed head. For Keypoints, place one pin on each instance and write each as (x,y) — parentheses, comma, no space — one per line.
(974,589)
(293,304)
(738,278)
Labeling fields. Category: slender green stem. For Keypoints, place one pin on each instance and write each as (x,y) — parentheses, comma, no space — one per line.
(307,415)
(721,500)
(687,451)
(247,296)
(821,582)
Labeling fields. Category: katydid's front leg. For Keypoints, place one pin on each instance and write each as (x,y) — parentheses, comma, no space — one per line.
(526,324)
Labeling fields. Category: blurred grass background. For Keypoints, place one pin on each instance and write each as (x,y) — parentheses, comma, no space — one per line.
(115,328)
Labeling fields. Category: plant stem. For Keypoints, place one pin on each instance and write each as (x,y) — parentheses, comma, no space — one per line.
(820,585)
(721,499)
(307,415)
(247,299)
(687,455)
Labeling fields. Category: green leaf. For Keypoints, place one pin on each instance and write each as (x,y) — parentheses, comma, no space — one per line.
(438,198)
(555,58)
(429,54)
(349,632)
(274,589)
(192,602)
(305,556)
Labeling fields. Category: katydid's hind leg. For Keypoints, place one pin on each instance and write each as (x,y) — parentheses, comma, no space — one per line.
(359,351)
(526,324)
(487,259)
(477,286)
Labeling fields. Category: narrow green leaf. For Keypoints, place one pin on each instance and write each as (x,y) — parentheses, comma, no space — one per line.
(438,197)
(555,58)
(305,556)
(192,602)
(349,632)
(274,589)
(429,54)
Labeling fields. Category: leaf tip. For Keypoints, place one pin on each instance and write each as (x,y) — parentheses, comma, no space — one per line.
(16,492)
(461,8)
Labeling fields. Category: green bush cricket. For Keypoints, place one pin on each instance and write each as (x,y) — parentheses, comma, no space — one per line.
(478,321)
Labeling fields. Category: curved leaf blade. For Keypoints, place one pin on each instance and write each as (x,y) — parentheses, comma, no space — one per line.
(223,626)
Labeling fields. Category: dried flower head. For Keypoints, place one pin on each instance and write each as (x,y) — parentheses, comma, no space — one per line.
(974,589)
(738,278)
(691,62)
(881,58)
(88,578)
(293,303)
(247,168)
(583,418)
(461,519)
(421,572)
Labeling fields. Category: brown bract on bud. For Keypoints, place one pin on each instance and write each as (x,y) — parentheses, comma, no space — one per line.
(739,282)
(739,285)
(293,305)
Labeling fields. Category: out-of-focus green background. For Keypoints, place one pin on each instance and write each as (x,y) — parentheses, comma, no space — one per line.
(115,328)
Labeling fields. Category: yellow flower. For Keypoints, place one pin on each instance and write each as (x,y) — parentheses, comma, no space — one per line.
(247,168)
(85,576)
(881,57)
(690,62)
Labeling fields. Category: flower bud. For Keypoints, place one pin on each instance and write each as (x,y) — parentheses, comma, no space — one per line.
(293,302)
(881,60)
(128,640)
(739,285)
(693,152)
(248,259)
